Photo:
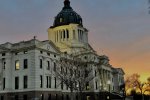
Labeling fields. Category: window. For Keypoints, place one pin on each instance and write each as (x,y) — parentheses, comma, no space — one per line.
(48,54)
(62,84)
(67,85)
(25,79)
(3,54)
(54,55)
(16,97)
(41,52)
(56,96)
(54,66)
(61,69)
(17,65)
(4,83)
(2,97)
(87,86)
(55,82)
(49,96)
(76,97)
(48,65)
(4,63)
(66,70)
(74,35)
(67,34)
(41,81)
(96,85)
(16,82)
(64,34)
(25,63)
(62,98)
(61,19)
(67,97)
(25,97)
(16,53)
(41,63)
(48,81)
(95,73)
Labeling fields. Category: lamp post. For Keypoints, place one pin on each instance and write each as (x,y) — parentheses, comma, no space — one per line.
(78,90)
(108,82)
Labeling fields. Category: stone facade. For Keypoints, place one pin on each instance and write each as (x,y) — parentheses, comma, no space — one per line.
(26,68)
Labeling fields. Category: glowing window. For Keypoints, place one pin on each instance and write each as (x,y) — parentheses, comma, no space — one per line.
(17,65)
(61,19)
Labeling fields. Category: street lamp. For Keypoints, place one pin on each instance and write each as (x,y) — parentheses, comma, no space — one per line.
(100,86)
(109,82)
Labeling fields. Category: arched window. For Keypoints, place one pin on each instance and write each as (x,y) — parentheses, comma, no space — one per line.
(67,33)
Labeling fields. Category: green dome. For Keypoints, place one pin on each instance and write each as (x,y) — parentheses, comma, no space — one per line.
(67,16)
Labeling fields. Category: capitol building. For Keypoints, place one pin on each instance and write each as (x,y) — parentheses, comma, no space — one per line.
(30,70)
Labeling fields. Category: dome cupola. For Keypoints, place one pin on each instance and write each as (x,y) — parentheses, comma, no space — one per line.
(67,16)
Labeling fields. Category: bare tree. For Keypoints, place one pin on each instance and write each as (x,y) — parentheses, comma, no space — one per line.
(133,83)
(74,73)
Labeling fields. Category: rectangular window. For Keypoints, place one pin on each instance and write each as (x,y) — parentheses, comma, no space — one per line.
(2,97)
(87,86)
(16,97)
(3,63)
(48,65)
(54,66)
(62,84)
(67,97)
(25,97)
(56,96)
(49,96)
(25,79)
(55,82)
(16,53)
(4,83)
(41,52)
(62,98)
(25,63)
(67,85)
(49,82)
(96,85)
(48,54)
(3,54)
(41,65)
(95,73)
(41,81)
(16,82)
(17,65)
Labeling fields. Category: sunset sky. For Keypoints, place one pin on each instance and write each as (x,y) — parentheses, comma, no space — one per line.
(119,29)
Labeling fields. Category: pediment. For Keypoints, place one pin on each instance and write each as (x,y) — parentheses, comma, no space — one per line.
(48,45)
